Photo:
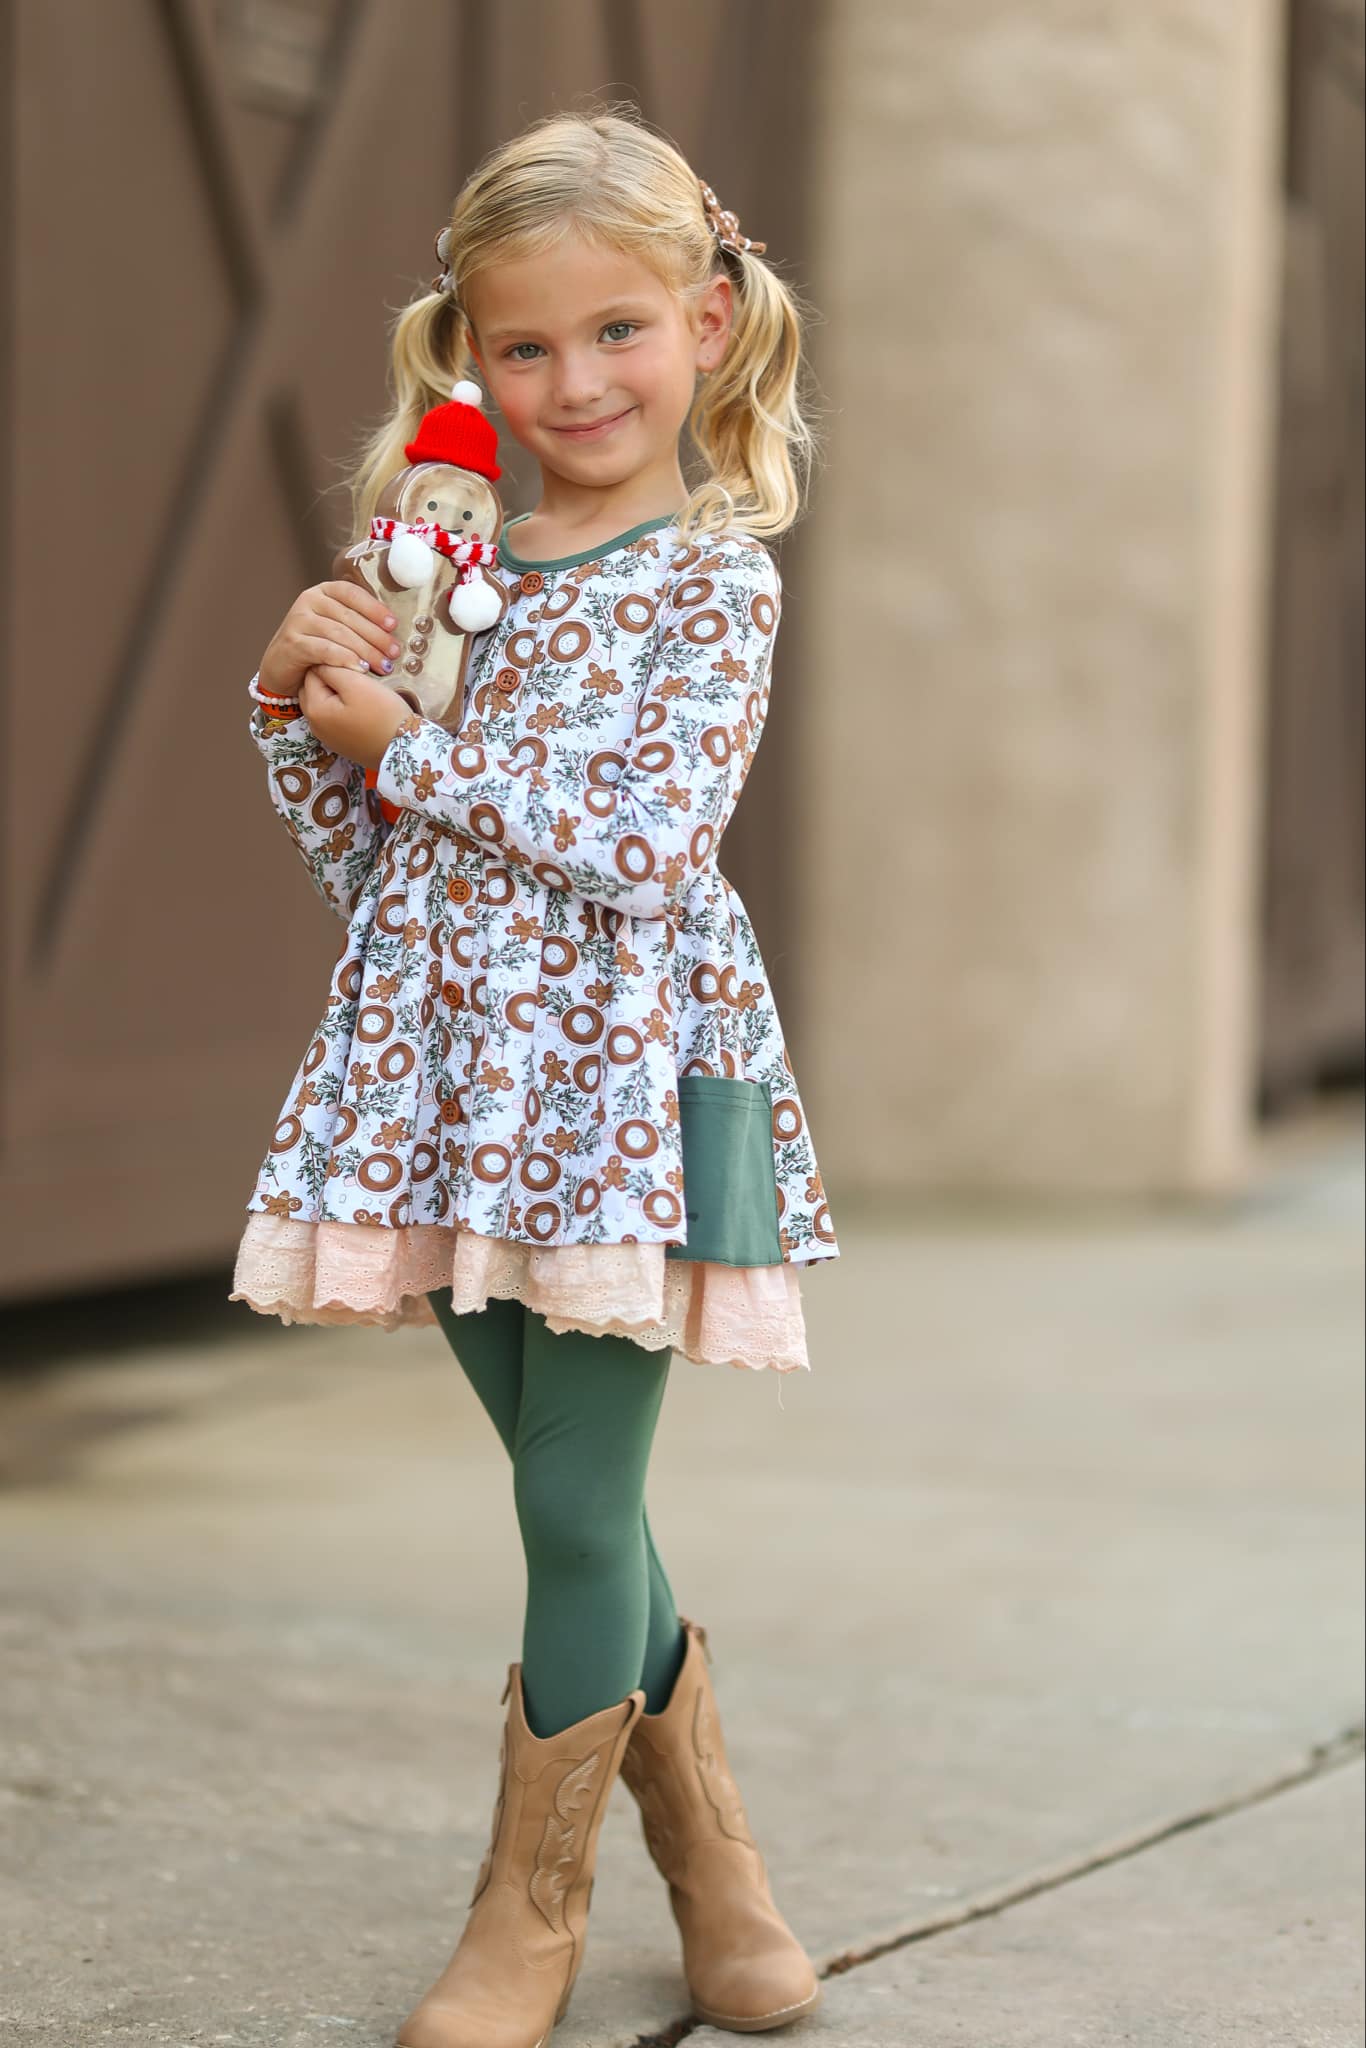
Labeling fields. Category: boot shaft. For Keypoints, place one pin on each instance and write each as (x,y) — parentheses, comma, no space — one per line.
(678,1772)
(552,1798)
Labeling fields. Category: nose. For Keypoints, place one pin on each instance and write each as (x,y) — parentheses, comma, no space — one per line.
(579,380)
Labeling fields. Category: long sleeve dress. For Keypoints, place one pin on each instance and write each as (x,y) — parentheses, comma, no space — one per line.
(549,1001)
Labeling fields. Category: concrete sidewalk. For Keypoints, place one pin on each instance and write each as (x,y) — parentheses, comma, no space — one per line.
(1035,1612)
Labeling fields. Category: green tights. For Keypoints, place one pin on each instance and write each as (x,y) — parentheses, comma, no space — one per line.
(577,1415)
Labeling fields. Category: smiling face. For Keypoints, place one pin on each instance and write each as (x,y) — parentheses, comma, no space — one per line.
(458,499)
(591,358)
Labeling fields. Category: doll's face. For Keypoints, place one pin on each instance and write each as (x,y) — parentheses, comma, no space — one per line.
(464,503)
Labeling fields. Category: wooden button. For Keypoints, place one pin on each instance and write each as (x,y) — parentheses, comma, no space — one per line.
(506,680)
(532,581)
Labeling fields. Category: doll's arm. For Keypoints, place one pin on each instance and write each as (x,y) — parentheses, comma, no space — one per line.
(334,821)
(634,843)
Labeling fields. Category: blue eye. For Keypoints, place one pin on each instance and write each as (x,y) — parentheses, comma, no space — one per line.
(628,325)
(515,351)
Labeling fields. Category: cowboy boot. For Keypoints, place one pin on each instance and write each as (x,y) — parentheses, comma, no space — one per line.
(514,1967)
(745,1968)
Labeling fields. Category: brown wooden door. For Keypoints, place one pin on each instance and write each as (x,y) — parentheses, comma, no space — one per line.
(1313,1002)
(214,206)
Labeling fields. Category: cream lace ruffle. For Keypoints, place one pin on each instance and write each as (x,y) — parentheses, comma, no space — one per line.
(307,1272)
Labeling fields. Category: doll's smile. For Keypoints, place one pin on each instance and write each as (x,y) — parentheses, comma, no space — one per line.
(595,429)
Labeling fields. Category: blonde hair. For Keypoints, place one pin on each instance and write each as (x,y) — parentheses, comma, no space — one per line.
(610,178)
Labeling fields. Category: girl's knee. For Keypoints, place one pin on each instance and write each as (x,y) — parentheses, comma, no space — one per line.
(580,1527)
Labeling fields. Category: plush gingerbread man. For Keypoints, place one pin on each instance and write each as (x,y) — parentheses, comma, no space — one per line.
(430,552)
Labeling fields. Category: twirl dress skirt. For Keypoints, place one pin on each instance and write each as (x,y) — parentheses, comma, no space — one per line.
(550,1067)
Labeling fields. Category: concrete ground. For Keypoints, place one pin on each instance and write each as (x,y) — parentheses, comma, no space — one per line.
(1035,1611)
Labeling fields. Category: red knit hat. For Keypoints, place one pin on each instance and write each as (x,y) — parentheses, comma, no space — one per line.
(458,433)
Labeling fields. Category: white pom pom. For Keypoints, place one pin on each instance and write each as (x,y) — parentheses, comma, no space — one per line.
(475,606)
(411,561)
(467,392)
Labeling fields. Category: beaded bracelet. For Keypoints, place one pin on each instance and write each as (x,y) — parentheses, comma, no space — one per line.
(277,707)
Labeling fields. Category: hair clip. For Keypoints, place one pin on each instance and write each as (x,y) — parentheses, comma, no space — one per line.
(443,253)
(725,225)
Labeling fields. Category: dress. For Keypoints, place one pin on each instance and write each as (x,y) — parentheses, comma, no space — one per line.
(547,985)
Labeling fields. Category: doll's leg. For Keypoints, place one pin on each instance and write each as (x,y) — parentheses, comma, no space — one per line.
(584,1434)
(488,1345)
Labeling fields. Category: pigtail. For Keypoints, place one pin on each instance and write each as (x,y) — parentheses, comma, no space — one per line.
(748,422)
(428,350)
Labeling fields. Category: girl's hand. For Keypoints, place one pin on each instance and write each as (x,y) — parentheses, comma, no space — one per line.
(337,623)
(351,713)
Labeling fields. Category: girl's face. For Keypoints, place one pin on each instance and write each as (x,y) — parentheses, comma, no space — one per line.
(592,359)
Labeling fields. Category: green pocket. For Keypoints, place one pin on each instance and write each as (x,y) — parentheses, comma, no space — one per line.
(730,1188)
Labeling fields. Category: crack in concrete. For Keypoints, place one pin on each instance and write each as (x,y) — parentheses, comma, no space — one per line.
(1331,1755)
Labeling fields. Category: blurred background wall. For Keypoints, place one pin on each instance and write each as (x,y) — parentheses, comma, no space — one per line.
(1049,243)
(1054,841)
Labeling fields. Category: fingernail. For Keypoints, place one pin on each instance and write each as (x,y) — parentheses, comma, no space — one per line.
(388,667)
(394,647)
(390,621)
(366,666)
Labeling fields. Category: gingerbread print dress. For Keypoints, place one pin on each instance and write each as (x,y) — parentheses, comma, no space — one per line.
(541,960)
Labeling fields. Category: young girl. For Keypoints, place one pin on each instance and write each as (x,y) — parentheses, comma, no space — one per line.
(549,1105)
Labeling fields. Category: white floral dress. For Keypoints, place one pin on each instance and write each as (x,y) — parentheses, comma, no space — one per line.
(544,977)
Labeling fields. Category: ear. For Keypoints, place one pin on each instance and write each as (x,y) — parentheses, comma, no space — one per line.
(715,315)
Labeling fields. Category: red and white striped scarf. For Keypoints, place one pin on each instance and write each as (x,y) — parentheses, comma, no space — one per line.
(467,554)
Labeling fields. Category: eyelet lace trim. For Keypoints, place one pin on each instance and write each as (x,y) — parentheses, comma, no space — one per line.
(334,1273)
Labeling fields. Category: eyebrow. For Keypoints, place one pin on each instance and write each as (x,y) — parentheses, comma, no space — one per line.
(618,309)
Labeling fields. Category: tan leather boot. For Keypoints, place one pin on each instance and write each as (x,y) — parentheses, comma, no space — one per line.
(514,1967)
(745,1968)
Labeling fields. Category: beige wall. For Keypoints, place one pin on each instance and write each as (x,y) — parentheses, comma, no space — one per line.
(1047,241)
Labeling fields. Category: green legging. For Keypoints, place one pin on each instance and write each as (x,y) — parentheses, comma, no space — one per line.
(577,1414)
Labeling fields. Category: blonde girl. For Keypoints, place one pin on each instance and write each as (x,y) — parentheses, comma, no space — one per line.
(549,1106)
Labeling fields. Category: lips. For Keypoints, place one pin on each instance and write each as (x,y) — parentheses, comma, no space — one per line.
(591,428)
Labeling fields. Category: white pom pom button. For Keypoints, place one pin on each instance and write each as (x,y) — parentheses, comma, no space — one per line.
(411,561)
(467,393)
(475,606)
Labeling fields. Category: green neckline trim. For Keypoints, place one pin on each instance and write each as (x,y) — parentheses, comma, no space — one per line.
(605,547)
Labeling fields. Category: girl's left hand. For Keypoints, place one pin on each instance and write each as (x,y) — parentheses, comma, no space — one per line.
(352,714)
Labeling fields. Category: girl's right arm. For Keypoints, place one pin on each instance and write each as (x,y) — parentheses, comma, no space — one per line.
(334,820)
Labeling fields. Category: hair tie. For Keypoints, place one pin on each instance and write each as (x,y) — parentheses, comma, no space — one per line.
(444,283)
(725,225)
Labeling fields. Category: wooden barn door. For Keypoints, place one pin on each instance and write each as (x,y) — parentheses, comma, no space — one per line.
(1313,1004)
(216,203)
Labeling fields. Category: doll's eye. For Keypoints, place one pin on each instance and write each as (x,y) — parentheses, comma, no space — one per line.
(467,515)
(431,504)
